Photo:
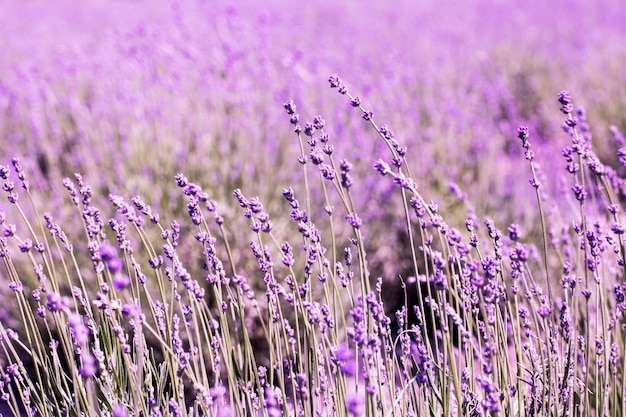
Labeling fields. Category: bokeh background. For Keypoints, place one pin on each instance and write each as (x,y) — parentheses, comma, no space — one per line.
(131,93)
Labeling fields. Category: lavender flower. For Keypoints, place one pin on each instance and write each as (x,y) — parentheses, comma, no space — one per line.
(273,402)
(354,405)
(344,359)
(88,366)
(56,302)
(119,410)
(566,102)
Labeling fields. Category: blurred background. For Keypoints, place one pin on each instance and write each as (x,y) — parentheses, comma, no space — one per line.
(131,93)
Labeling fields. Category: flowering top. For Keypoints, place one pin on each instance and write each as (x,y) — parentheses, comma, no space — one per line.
(290,107)
(336,82)
(522,134)
(565,99)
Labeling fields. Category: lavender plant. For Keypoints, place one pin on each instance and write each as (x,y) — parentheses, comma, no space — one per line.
(490,332)
(207,261)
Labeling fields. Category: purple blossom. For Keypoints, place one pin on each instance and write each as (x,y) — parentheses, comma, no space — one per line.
(316,156)
(88,366)
(579,192)
(354,220)
(355,102)
(382,167)
(273,402)
(318,122)
(13,198)
(181,180)
(56,302)
(334,81)
(119,410)
(156,262)
(564,97)
(355,404)
(618,229)
(78,330)
(513,232)
(120,281)
(9,230)
(544,310)
(4,172)
(290,107)
(309,129)
(344,359)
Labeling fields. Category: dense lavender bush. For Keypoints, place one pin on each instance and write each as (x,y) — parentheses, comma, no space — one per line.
(438,242)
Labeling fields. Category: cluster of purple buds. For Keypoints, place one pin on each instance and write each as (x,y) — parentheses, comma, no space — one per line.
(290,107)
(78,330)
(145,209)
(119,411)
(344,359)
(273,402)
(518,256)
(572,166)
(514,232)
(565,320)
(355,404)
(20,173)
(389,136)
(108,255)
(522,134)
(336,82)
(346,179)
(254,210)
(71,189)
(491,402)
(56,302)
(565,99)
(9,186)
(382,167)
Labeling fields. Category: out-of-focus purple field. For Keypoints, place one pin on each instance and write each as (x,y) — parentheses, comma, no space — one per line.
(130,93)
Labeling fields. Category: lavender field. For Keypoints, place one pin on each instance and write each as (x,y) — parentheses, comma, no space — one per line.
(313,209)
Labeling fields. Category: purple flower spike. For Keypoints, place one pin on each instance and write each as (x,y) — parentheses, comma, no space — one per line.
(4,172)
(119,411)
(88,367)
(514,232)
(318,122)
(80,333)
(9,230)
(564,97)
(345,359)
(290,107)
(108,254)
(26,246)
(354,220)
(354,405)
(522,134)
(382,167)
(309,129)
(181,180)
(120,281)
(334,81)
(56,302)
(273,402)
(156,262)
(288,194)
